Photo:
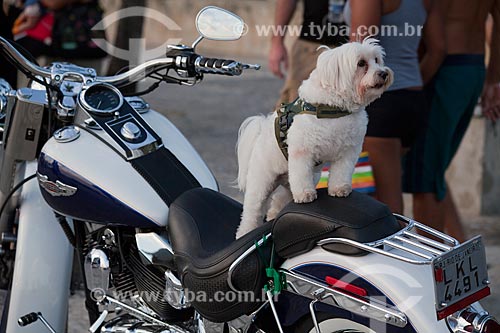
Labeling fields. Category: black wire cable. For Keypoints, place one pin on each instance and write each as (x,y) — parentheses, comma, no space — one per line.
(144,92)
(14,190)
(28,74)
(49,107)
(66,229)
(161,78)
(23,51)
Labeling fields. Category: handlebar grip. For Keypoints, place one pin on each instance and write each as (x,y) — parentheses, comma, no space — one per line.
(217,66)
(28,319)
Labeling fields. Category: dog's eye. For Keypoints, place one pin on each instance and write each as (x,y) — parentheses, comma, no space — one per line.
(376,60)
(361,63)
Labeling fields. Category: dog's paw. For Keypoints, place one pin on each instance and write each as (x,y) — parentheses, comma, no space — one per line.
(340,191)
(241,232)
(305,196)
(244,229)
(271,214)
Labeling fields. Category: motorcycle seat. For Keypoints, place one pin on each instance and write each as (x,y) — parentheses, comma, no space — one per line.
(202,227)
(359,217)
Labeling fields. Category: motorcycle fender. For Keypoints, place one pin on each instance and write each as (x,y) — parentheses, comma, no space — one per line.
(407,286)
(43,263)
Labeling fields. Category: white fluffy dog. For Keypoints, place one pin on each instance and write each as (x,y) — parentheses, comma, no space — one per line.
(346,78)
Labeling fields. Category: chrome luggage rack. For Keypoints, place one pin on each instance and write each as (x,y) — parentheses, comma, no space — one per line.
(413,247)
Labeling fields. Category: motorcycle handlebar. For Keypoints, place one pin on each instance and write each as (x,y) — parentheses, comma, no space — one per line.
(24,64)
(28,319)
(201,65)
(221,66)
(217,66)
(132,75)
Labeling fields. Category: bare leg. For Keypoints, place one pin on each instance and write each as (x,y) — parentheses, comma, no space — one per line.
(385,158)
(301,176)
(440,215)
(427,209)
(279,199)
(452,223)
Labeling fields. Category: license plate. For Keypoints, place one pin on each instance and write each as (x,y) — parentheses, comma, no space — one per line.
(460,276)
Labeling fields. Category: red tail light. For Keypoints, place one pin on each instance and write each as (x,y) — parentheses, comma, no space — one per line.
(491,326)
(470,320)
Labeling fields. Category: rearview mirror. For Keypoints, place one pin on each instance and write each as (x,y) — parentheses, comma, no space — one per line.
(219,24)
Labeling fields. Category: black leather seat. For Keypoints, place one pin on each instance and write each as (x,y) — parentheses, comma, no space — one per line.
(202,228)
(358,217)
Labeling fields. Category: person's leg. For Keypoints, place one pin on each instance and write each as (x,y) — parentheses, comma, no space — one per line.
(385,158)
(440,215)
(452,223)
(426,165)
(426,209)
(302,61)
(475,76)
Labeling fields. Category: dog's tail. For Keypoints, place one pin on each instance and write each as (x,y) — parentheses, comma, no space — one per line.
(247,136)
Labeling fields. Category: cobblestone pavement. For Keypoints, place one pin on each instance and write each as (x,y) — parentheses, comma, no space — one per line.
(210,114)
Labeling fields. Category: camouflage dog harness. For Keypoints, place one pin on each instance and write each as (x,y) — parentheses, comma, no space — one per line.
(286,113)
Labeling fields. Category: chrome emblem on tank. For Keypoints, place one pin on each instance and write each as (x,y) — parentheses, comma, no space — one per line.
(57,188)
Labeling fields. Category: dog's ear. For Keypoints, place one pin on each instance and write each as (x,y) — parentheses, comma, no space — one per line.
(375,45)
(333,70)
(390,79)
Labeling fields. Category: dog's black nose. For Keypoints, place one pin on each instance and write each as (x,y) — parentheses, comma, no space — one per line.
(383,74)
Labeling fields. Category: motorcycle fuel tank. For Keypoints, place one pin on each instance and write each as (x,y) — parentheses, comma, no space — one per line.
(88,180)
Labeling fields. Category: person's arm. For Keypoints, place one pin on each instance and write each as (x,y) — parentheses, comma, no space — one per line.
(277,54)
(28,18)
(490,99)
(493,73)
(434,41)
(364,14)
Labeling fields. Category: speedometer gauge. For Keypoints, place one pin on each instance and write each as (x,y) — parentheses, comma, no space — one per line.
(101,99)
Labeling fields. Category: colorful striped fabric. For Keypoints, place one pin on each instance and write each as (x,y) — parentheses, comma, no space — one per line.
(362,179)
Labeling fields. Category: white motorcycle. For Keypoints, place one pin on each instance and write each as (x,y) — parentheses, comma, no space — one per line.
(121,186)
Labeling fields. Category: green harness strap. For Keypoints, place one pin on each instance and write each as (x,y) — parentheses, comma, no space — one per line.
(286,113)
(277,280)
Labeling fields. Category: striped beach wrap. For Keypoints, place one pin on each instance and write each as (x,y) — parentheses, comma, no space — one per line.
(362,179)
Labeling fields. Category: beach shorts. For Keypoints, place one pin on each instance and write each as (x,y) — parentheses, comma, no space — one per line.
(399,114)
(454,94)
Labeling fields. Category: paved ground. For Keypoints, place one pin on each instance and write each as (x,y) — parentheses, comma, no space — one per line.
(209,115)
